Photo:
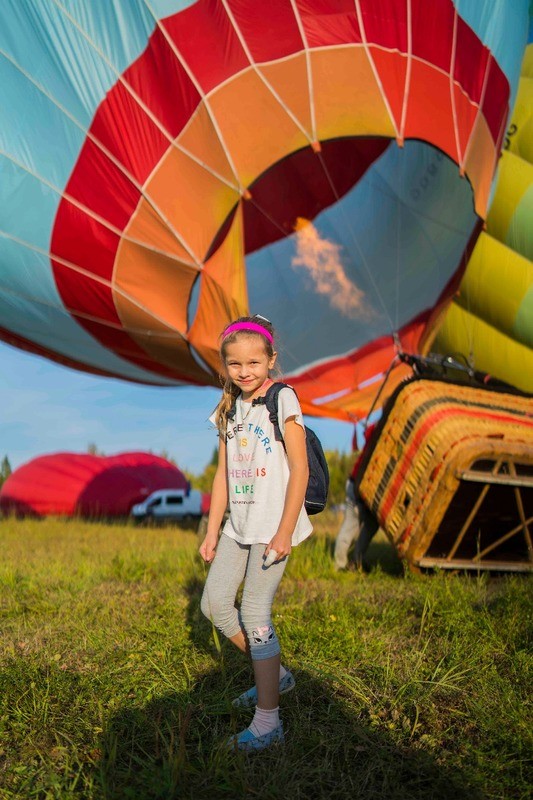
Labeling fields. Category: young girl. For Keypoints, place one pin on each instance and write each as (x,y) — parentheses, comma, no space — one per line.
(264,485)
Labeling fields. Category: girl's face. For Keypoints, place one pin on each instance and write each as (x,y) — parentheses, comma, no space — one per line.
(247,364)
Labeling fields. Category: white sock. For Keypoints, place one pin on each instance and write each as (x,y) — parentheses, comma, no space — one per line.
(264,721)
(282,671)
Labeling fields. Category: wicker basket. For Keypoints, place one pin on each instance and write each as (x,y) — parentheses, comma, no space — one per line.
(449,476)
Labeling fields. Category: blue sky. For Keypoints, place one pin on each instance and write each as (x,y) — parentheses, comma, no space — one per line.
(46,408)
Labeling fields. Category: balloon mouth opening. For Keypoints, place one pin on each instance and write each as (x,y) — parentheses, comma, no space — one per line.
(300,186)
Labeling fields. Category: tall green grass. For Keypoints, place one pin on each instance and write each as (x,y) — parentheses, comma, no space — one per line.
(113,685)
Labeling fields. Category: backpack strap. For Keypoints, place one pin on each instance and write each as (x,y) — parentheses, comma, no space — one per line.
(270,400)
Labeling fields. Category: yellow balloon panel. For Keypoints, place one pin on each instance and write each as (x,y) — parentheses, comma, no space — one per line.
(519,139)
(495,352)
(515,177)
(495,285)
(527,63)
(490,321)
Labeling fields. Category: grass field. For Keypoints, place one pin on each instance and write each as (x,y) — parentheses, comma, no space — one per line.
(114,686)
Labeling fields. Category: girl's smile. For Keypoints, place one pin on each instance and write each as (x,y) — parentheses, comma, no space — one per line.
(248,365)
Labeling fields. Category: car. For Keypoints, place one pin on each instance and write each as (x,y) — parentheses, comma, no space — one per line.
(181,505)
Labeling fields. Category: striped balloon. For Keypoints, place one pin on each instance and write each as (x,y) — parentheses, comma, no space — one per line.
(491,320)
(169,165)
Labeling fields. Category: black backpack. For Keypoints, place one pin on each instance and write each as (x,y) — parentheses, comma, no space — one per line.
(316,493)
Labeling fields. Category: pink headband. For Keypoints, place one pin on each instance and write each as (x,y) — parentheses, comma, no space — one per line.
(248,326)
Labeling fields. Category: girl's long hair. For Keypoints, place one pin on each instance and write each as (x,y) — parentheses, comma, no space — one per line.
(229,390)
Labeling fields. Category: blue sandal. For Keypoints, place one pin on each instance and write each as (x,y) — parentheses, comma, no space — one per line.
(248,742)
(249,699)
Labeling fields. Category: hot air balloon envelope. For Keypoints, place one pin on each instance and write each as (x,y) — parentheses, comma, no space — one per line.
(167,166)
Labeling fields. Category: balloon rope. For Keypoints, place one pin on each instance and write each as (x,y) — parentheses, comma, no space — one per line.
(398,237)
(459,158)
(468,322)
(395,361)
(373,66)
(131,178)
(237,186)
(102,220)
(479,105)
(174,334)
(308,66)
(181,60)
(142,105)
(407,84)
(260,74)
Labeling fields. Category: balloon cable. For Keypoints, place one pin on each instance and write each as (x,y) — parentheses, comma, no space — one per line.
(395,361)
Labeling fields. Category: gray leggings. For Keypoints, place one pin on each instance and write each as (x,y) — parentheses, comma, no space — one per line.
(234,562)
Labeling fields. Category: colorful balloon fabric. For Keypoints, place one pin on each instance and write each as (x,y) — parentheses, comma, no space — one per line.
(80,484)
(490,322)
(168,165)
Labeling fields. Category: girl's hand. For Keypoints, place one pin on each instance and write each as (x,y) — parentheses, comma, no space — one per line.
(208,548)
(281,544)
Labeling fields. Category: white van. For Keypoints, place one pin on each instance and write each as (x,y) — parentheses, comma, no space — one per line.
(169,504)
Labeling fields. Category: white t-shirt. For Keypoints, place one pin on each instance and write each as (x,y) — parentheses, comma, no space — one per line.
(258,472)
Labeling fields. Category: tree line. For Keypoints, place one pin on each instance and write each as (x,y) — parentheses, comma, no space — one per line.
(339,464)
(5,470)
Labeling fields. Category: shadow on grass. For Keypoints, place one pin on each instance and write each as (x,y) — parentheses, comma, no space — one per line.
(173,746)
(381,554)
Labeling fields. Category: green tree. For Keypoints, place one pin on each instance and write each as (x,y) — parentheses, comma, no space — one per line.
(166,455)
(5,470)
(94,450)
(204,482)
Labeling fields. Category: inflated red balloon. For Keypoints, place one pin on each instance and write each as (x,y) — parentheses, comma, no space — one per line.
(70,484)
